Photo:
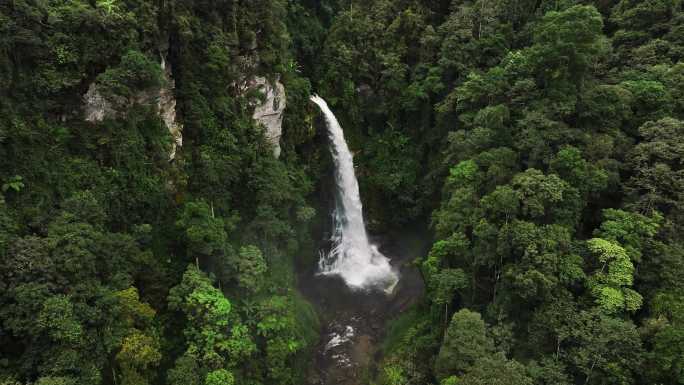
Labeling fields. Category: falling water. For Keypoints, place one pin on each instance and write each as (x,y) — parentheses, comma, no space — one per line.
(352,256)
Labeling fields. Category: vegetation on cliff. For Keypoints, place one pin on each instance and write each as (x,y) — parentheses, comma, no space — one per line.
(540,141)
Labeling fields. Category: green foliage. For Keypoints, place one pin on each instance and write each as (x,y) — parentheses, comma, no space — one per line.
(219,377)
(250,266)
(135,73)
(465,343)
(204,233)
(611,284)
(543,139)
(58,321)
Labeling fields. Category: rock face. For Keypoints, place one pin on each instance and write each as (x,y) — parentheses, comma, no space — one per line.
(166,105)
(269,113)
(98,108)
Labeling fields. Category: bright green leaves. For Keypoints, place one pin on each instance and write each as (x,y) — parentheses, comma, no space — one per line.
(451,248)
(463,174)
(442,281)
(616,267)
(204,305)
(632,230)
(14,184)
(610,285)
(208,306)
(277,325)
(444,284)
(58,320)
(219,377)
(110,8)
(215,338)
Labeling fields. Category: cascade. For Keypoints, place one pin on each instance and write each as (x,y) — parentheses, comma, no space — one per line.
(352,256)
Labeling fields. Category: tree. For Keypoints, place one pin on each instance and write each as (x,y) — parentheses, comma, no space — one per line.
(658,176)
(219,377)
(250,268)
(611,284)
(277,325)
(495,369)
(566,44)
(215,338)
(465,343)
(664,334)
(635,232)
(547,196)
(604,349)
(204,233)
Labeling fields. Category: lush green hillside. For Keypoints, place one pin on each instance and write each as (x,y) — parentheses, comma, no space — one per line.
(541,143)
(119,266)
(544,142)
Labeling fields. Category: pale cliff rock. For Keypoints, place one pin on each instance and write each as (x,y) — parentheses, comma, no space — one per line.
(166,105)
(269,113)
(98,108)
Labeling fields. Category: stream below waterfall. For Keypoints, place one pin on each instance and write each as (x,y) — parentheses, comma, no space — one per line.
(353,322)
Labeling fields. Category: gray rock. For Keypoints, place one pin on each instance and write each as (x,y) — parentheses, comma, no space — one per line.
(269,113)
(166,105)
(97,107)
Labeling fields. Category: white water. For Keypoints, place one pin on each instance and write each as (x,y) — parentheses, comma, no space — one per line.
(352,256)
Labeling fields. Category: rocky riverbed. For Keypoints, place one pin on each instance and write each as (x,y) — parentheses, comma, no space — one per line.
(354,322)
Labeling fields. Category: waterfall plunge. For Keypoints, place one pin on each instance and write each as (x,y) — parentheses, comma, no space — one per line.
(352,256)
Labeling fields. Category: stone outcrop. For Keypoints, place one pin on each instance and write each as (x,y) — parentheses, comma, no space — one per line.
(166,105)
(269,113)
(97,107)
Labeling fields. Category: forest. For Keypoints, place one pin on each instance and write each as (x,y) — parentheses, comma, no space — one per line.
(150,236)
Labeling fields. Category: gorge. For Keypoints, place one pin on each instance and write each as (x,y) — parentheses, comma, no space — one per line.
(504,205)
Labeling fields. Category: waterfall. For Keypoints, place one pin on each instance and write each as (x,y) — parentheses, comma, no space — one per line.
(352,256)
